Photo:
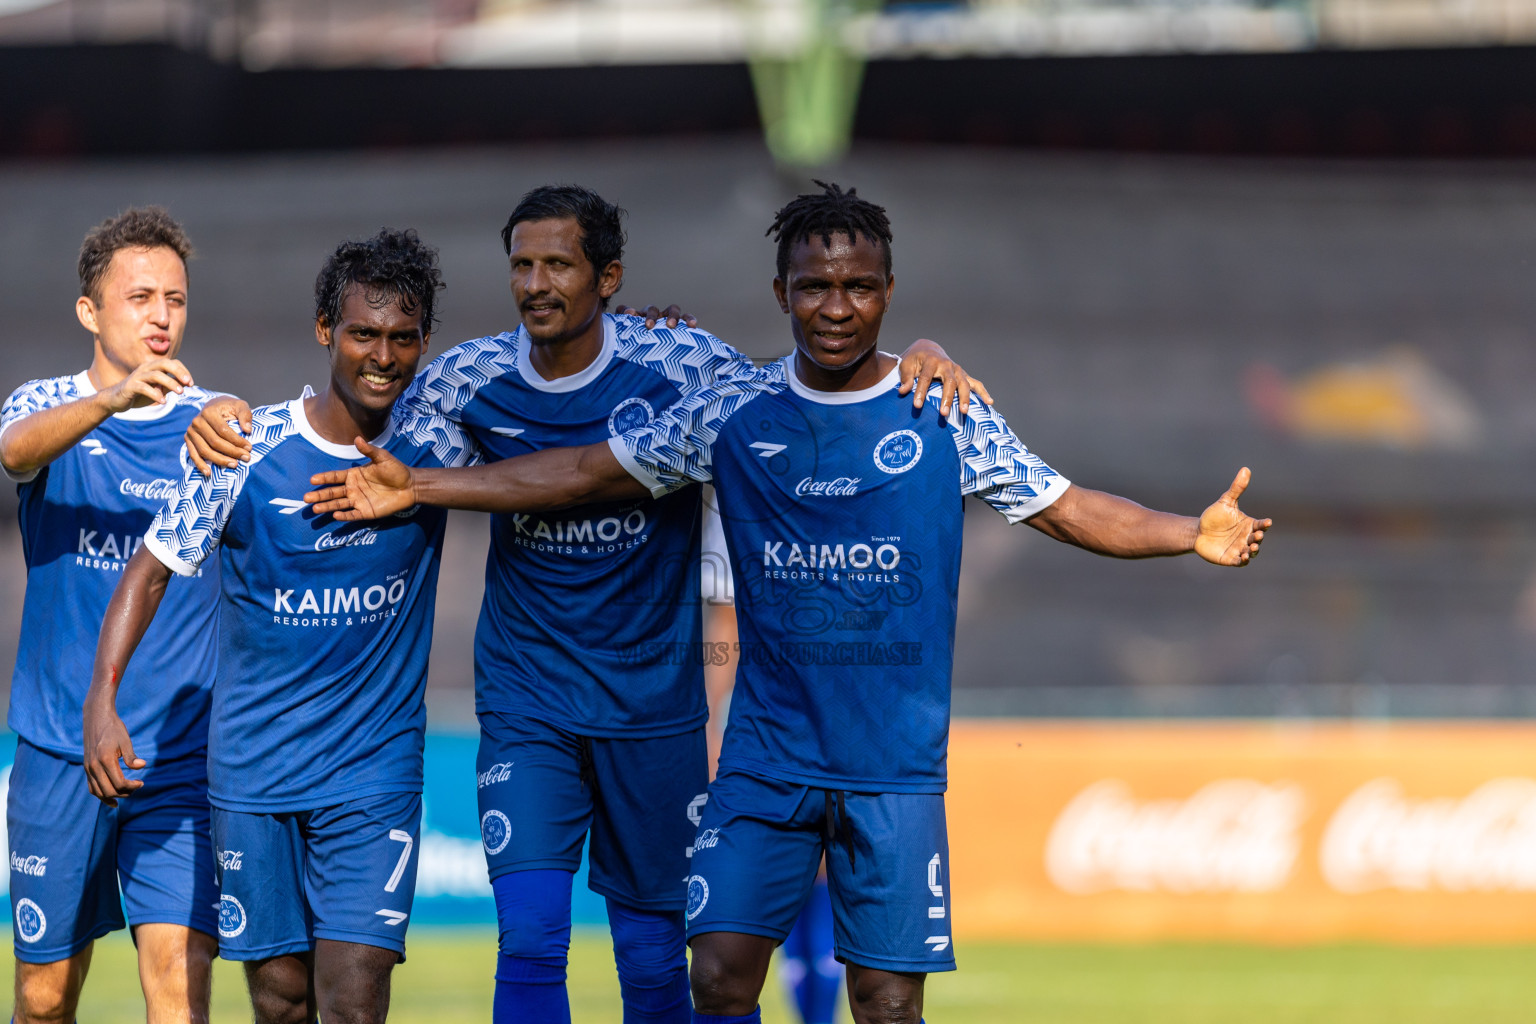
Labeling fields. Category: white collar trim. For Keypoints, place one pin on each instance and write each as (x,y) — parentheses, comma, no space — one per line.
(309,433)
(575,381)
(142,413)
(810,394)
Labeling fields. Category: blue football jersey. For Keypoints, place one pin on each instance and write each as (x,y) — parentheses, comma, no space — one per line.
(82,517)
(324,626)
(843,517)
(590,619)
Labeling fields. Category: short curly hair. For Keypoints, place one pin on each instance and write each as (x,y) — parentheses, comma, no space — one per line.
(395,266)
(138,227)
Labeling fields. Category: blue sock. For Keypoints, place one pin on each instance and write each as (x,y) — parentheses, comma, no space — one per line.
(810,963)
(650,949)
(755,1017)
(533,909)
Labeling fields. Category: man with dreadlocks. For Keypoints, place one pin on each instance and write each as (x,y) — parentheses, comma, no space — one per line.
(587,678)
(840,509)
(318,724)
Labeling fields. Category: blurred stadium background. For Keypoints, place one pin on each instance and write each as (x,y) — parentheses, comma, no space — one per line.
(1173,236)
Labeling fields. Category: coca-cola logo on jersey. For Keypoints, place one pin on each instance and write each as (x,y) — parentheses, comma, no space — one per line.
(842,487)
(1233,835)
(150,490)
(496,773)
(31,864)
(1380,838)
(338,539)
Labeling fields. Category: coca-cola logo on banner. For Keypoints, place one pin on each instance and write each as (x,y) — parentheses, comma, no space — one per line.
(1233,835)
(1483,842)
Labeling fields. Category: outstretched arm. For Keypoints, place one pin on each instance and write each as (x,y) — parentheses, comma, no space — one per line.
(129,614)
(1110,525)
(30,444)
(550,479)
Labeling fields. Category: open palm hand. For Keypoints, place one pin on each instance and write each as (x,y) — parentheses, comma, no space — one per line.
(1229,536)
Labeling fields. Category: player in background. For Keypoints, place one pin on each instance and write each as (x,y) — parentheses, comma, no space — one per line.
(587,677)
(854,518)
(808,958)
(94,455)
(318,723)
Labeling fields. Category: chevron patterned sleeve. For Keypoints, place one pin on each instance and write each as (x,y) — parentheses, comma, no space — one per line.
(186,532)
(676,448)
(997,468)
(449,443)
(450,382)
(35,396)
(690,358)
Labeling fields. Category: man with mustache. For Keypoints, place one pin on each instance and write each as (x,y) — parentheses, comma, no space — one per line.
(841,507)
(588,684)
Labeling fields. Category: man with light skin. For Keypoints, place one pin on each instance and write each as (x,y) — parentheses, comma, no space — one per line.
(94,455)
(841,508)
(588,687)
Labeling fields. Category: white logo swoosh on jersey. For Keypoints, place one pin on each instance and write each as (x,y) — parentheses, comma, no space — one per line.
(287,506)
(766,449)
(507,431)
(94,446)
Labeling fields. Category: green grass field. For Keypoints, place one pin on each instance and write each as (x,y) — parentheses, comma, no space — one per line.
(447,980)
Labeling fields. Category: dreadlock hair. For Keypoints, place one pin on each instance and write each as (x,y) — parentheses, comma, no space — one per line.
(601,222)
(138,227)
(394,266)
(834,211)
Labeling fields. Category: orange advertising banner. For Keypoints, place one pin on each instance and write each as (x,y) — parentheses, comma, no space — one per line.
(1280,832)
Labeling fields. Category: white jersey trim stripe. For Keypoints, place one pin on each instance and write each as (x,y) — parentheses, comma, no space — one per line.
(791,373)
(575,381)
(153,545)
(24,478)
(621,452)
(142,413)
(1039,503)
(340,451)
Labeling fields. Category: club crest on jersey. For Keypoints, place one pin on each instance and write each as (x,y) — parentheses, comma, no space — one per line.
(231,916)
(495,831)
(698,895)
(898,451)
(30,921)
(630,414)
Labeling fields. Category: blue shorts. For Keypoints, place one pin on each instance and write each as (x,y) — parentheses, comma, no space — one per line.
(346,873)
(68,852)
(542,789)
(759,847)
